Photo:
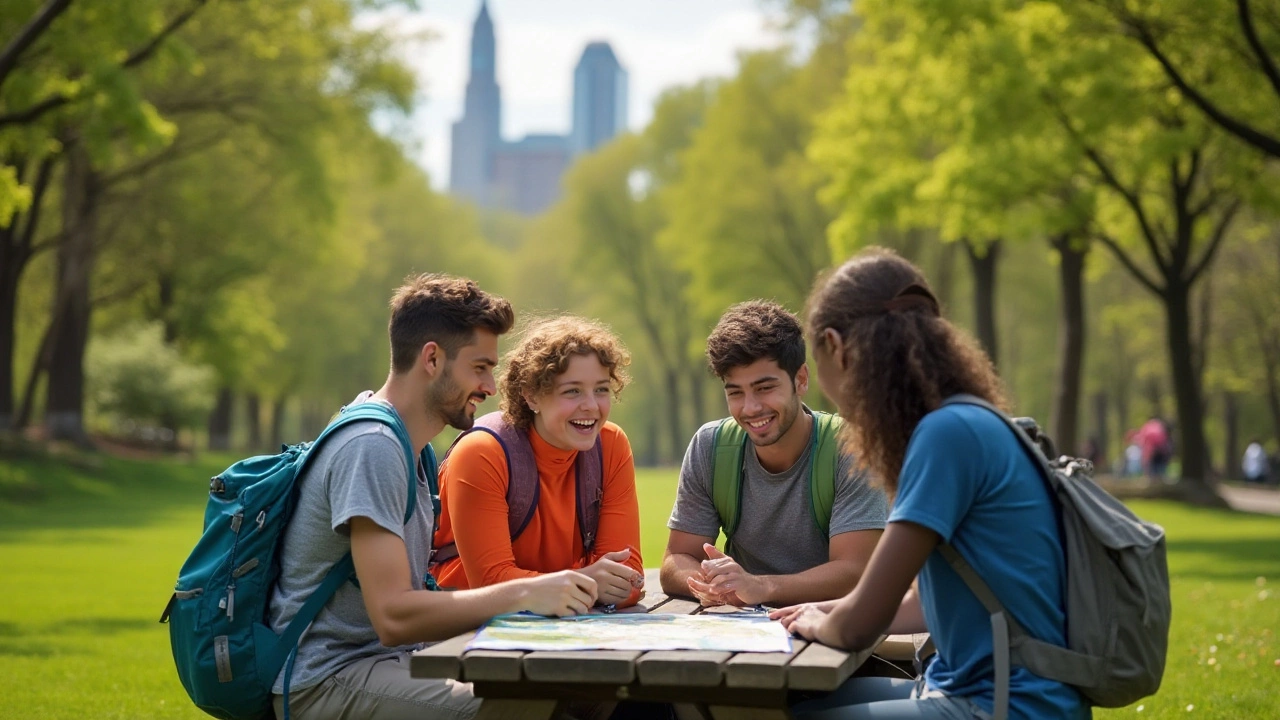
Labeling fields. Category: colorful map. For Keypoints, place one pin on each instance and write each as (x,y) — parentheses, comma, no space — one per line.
(739,632)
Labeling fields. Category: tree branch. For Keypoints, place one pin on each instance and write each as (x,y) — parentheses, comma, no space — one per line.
(1112,180)
(1215,240)
(1256,138)
(29,34)
(1128,262)
(139,56)
(1251,35)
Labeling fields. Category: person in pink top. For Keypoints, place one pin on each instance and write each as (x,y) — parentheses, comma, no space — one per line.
(1157,447)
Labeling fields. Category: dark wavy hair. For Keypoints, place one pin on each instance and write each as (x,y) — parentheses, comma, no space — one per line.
(902,357)
(755,330)
(544,352)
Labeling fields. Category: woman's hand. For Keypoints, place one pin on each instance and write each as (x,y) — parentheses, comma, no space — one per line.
(614,580)
(806,620)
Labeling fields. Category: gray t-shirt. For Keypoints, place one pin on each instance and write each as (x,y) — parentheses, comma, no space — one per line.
(359,472)
(776,533)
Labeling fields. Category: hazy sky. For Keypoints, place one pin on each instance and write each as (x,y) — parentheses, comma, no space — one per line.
(660,43)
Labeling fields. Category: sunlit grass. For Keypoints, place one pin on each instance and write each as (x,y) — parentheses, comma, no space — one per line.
(89,552)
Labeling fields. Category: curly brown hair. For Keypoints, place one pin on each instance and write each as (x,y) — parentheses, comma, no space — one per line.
(543,353)
(443,309)
(902,357)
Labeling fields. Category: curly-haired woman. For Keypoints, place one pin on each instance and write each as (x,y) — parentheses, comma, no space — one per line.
(556,390)
(957,474)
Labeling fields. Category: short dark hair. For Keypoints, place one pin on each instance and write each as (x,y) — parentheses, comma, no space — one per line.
(443,309)
(756,330)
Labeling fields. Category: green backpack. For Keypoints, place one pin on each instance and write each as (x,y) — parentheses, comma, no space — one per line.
(727,465)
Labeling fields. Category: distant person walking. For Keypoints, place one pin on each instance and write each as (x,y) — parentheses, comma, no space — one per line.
(1157,447)
(1255,463)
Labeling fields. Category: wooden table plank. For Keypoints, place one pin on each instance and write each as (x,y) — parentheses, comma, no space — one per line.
(678,606)
(761,670)
(819,667)
(442,660)
(500,665)
(584,666)
(682,667)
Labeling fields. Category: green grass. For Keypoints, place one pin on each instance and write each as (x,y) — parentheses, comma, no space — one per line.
(89,552)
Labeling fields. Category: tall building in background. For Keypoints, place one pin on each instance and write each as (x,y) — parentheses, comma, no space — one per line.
(524,175)
(599,98)
(477,136)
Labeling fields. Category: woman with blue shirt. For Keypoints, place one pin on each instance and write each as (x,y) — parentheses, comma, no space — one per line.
(957,474)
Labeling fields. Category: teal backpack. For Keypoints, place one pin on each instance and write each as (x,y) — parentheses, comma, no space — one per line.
(227,656)
(727,467)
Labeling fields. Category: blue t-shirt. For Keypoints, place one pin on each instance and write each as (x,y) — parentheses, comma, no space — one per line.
(967,478)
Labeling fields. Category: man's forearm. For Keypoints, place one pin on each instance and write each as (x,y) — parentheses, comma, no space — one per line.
(677,568)
(427,616)
(827,581)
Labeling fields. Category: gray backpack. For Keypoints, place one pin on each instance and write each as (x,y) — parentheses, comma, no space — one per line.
(1117,604)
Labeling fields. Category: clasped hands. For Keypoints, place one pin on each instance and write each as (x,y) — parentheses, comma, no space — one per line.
(722,581)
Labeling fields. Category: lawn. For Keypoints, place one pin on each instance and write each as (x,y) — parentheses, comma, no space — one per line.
(89,550)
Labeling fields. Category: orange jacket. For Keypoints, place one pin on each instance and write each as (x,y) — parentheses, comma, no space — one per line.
(473,514)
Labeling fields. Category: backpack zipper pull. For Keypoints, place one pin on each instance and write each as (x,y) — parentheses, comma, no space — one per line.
(262,519)
(231,601)
(235,522)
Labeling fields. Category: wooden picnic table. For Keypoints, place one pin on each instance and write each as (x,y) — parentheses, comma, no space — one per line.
(517,684)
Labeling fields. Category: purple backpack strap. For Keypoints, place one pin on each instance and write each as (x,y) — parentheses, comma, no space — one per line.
(523,488)
(589,477)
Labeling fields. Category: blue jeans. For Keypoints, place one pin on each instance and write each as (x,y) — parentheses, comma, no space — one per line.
(880,698)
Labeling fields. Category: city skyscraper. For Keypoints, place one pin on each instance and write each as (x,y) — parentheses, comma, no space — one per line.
(599,98)
(524,175)
(477,136)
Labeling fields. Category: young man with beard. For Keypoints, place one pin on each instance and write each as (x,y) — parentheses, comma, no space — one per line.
(353,662)
(779,551)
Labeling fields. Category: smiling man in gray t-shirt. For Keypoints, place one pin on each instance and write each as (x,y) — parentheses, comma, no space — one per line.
(781,556)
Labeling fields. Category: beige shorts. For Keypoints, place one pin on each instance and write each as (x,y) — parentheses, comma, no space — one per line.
(379,688)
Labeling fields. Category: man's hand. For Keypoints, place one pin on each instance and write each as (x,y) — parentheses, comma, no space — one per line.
(724,576)
(559,594)
(614,580)
(701,590)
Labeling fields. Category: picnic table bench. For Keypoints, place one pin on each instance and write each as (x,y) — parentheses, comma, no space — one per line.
(517,684)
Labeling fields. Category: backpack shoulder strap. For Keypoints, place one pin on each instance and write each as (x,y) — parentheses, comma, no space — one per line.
(344,569)
(378,412)
(726,473)
(523,489)
(589,479)
(824,464)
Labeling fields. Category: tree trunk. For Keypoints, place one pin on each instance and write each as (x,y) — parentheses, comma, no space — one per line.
(983,264)
(1231,444)
(675,428)
(253,408)
(277,423)
(1101,428)
(698,395)
(8,335)
(220,421)
(1271,367)
(1066,398)
(944,278)
(64,406)
(1186,386)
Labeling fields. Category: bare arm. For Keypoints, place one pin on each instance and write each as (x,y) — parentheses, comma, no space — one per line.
(849,554)
(402,615)
(683,560)
(909,619)
(858,619)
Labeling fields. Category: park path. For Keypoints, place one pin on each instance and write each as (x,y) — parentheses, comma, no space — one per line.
(1254,500)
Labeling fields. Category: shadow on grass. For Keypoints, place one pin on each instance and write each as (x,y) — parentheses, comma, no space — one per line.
(36,641)
(47,493)
(1228,559)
